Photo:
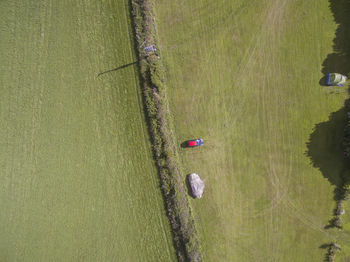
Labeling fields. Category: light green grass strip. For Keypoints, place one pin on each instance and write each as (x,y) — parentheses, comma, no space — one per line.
(77,181)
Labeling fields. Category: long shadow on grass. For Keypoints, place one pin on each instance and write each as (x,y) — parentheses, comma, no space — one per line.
(325,147)
(339,60)
(116,69)
(326,151)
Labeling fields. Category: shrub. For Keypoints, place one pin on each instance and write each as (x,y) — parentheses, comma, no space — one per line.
(332,252)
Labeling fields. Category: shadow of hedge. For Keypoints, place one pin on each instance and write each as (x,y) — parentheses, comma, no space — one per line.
(339,60)
(325,150)
(325,147)
(325,144)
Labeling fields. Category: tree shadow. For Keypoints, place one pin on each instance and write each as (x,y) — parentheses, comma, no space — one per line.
(332,249)
(339,60)
(325,246)
(324,147)
(325,150)
(116,69)
(184,144)
(325,144)
(323,81)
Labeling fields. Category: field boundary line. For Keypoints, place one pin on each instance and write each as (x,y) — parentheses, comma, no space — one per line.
(160,127)
(133,54)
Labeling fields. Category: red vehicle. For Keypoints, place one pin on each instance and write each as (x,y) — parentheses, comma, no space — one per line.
(195,142)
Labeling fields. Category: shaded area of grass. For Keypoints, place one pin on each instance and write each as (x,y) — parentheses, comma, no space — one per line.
(116,69)
(339,60)
(326,153)
(332,250)
(325,147)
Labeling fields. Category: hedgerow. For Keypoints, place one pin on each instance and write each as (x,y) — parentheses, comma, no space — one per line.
(159,124)
(333,249)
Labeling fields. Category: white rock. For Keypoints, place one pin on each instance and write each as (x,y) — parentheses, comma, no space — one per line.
(197,185)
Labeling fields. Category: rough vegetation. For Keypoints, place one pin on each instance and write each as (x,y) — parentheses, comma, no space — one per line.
(157,113)
(333,249)
(346,141)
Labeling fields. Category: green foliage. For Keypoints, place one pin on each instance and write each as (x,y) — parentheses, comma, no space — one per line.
(346,141)
(152,72)
(333,249)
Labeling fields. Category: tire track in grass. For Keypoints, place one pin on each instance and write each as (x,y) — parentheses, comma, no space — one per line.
(257,44)
(274,27)
(261,49)
(262,54)
(297,213)
(273,172)
(253,53)
(278,175)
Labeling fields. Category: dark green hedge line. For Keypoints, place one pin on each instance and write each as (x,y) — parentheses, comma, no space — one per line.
(346,141)
(159,124)
(342,191)
(333,249)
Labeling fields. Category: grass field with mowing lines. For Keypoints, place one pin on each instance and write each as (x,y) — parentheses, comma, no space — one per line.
(244,75)
(77,179)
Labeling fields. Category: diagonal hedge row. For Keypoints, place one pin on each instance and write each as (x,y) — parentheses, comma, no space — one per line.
(159,123)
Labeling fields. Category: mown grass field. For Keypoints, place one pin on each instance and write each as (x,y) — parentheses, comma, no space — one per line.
(77,180)
(244,75)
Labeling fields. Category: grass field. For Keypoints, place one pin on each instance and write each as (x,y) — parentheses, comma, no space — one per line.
(77,180)
(244,75)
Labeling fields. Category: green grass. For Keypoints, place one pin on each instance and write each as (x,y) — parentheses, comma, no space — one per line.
(244,75)
(77,178)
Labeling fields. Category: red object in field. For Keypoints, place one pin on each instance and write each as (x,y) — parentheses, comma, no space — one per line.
(192,143)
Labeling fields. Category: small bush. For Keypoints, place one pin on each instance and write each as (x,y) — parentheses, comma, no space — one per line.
(337,222)
(332,252)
